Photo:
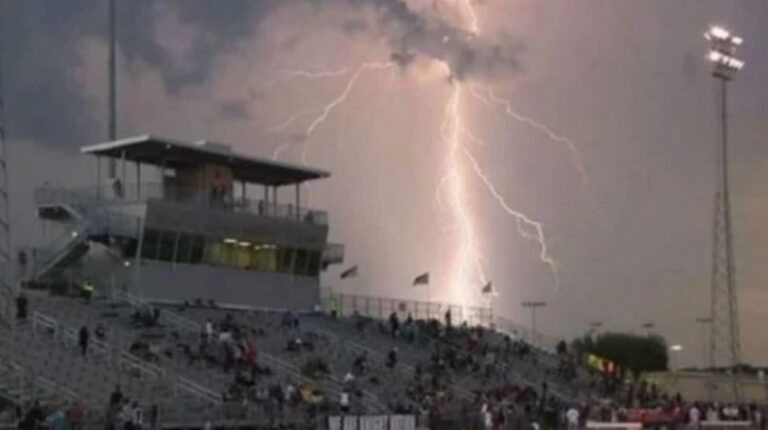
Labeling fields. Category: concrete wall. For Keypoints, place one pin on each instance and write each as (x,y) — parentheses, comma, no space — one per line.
(167,282)
(241,225)
(699,386)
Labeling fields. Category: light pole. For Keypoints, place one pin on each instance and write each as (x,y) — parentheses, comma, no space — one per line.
(705,323)
(533,305)
(594,326)
(724,339)
(649,328)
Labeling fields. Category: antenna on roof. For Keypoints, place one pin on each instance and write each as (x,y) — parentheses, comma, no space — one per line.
(112,88)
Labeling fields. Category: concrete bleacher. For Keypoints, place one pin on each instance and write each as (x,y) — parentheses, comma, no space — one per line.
(190,390)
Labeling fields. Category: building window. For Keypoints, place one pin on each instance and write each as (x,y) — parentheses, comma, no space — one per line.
(149,247)
(314,263)
(301,262)
(166,246)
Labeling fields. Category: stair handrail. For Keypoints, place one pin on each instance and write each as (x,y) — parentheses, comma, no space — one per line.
(199,391)
(40,319)
(56,389)
(128,360)
(175,320)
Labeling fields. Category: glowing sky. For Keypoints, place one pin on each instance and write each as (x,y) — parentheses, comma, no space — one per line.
(625,82)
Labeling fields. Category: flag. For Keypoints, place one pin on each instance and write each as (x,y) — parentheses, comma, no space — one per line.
(349,273)
(422,279)
(488,290)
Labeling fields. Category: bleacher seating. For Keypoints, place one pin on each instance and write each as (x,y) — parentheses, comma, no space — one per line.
(154,353)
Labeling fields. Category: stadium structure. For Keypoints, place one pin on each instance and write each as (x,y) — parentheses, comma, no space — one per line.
(188,289)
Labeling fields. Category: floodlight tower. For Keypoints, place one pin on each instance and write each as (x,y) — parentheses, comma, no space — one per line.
(725,347)
(5,226)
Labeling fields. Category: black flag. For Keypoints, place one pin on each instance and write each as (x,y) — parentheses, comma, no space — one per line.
(349,273)
(422,279)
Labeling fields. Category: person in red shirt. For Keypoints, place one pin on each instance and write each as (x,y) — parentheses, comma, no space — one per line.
(75,416)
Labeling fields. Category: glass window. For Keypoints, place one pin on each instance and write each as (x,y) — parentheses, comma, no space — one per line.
(128,248)
(301,262)
(149,246)
(197,248)
(286,260)
(184,248)
(166,246)
(314,263)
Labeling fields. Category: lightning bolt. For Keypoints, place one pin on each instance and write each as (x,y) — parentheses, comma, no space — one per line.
(326,110)
(467,270)
(467,253)
(490,97)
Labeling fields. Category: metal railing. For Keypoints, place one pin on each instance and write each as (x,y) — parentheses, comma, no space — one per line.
(382,308)
(333,253)
(197,390)
(175,321)
(142,192)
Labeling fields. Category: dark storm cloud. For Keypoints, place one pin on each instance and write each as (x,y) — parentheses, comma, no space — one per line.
(43,100)
(46,102)
(221,27)
(234,110)
(412,32)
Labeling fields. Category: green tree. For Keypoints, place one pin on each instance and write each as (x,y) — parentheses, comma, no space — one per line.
(637,353)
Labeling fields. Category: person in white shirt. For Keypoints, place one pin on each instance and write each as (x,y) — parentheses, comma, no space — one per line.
(209,330)
(137,416)
(712,414)
(694,416)
(344,402)
(572,418)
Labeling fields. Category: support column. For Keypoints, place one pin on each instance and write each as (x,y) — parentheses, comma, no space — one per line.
(138,180)
(298,201)
(274,200)
(98,178)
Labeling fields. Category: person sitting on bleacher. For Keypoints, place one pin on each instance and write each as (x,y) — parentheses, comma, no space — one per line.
(100,332)
(360,361)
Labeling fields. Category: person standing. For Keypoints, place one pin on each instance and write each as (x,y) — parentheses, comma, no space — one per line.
(694,416)
(75,416)
(137,416)
(21,307)
(572,417)
(84,339)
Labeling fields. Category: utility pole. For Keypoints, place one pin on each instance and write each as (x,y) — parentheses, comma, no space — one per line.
(112,90)
(725,346)
(5,221)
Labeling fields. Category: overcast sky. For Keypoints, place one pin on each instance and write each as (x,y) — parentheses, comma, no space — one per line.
(625,81)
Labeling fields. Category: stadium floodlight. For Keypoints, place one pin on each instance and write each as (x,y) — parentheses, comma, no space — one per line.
(722,52)
(676,348)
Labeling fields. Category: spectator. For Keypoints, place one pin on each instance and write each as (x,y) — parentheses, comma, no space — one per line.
(84,338)
(56,420)
(392,358)
(572,417)
(33,417)
(117,397)
(21,307)
(125,416)
(87,291)
(448,318)
(694,416)
(359,364)
(209,330)
(137,416)
(101,332)
(394,324)
(344,402)
(75,416)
